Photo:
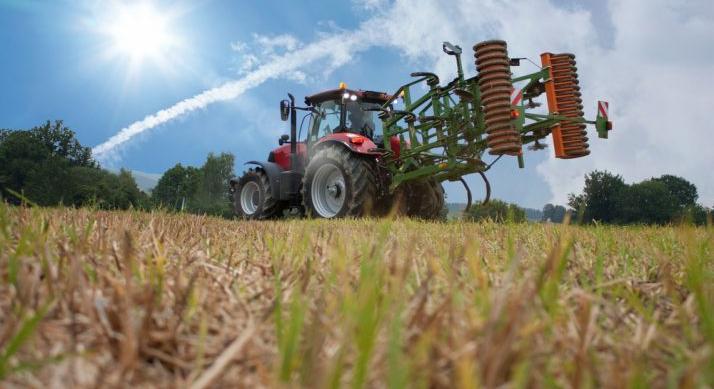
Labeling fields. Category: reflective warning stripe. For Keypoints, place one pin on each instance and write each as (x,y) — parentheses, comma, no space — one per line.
(516,96)
(602,107)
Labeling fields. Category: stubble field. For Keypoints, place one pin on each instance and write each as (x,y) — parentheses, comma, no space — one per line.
(114,299)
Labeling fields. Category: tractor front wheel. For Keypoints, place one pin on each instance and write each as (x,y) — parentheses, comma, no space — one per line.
(253,199)
(339,183)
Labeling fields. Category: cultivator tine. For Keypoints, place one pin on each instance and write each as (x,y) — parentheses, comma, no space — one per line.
(494,72)
(564,99)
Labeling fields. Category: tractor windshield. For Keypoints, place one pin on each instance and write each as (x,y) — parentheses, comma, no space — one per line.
(361,121)
(356,119)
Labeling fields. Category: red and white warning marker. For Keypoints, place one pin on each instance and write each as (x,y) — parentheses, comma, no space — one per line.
(602,107)
(516,96)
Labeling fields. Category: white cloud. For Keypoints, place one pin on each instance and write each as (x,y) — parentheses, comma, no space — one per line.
(279,66)
(658,80)
(269,44)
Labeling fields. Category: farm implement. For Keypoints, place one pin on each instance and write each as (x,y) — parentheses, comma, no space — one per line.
(371,153)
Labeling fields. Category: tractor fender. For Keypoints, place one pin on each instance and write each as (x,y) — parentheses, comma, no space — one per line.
(353,142)
(272,170)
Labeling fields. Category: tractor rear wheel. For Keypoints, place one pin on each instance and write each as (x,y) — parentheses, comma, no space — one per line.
(253,199)
(425,199)
(339,183)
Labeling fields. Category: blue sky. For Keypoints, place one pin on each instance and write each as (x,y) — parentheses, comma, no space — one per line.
(60,62)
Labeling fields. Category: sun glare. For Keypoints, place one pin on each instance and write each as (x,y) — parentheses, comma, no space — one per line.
(139,32)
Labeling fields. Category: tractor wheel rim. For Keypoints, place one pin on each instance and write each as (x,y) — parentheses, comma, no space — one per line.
(250,198)
(328,191)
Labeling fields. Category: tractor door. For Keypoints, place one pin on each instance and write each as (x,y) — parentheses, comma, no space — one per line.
(326,121)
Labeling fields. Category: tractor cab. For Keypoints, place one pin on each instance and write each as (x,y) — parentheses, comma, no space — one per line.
(344,124)
(345,110)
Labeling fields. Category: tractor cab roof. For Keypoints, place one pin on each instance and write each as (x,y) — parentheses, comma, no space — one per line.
(335,94)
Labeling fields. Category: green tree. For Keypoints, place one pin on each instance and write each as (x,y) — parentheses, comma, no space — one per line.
(213,196)
(177,188)
(696,214)
(553,213)
(497,211)
(684,192)
(203,190)
(98,187)
(123,193)
(61,142)
(598,200)
(648,202)
(49,166)
(21,156)
(39,154)
(49,182)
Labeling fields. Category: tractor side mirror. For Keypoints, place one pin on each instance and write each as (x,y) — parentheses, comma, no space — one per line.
(283,138)
(284,110)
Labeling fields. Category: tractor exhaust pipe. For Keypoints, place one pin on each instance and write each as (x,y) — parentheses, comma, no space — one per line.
(293,133)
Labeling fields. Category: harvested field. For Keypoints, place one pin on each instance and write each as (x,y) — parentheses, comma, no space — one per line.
(101,299)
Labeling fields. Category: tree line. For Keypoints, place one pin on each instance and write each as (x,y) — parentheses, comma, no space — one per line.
(607,199)
(47,166)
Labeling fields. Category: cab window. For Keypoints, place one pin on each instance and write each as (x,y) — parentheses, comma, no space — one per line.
(327,119)
(360,120)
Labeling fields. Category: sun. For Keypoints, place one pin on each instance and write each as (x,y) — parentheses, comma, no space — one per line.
(139,32)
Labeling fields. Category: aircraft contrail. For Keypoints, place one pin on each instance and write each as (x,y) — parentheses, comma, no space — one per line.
(337,47)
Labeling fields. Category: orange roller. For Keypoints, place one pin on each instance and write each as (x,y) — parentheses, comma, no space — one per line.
(564,98)
(494,72)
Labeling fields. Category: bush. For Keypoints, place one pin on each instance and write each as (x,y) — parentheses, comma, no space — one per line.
(497,211)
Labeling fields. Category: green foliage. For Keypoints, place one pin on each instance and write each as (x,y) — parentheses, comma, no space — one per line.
(533,214)
(201,190)
(554,213)
(607,199)
(48,166)
(646,202)
(106,190)
(684,192)
(213,191)
(497,211)
(696,214)
(176,187)
(598,200)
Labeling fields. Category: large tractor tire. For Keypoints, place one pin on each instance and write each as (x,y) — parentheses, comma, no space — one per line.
(424,199)
(252,198)
(339,183)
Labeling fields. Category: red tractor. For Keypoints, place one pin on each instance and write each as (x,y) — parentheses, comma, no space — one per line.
(334,171)
(372,153)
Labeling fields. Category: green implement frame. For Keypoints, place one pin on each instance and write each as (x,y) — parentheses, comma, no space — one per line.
(443,133)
